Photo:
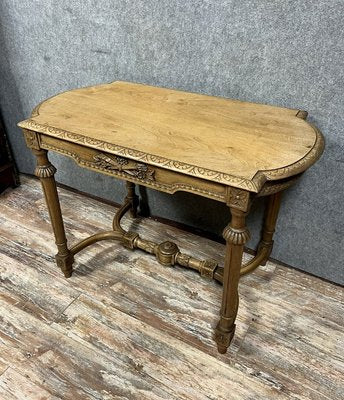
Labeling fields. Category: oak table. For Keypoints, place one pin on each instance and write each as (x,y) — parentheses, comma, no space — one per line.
(169,140)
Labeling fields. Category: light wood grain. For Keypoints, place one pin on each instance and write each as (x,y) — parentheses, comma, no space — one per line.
(176,141)
(124,327)
(14,386)
(180,131)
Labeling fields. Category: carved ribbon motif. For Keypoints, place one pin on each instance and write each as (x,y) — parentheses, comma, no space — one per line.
(116,163)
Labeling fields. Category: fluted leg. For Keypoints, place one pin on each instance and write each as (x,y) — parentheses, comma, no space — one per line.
(271,215)
(236,235)
(45,172)
(132,197)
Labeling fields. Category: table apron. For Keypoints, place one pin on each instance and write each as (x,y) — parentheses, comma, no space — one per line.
(135,171)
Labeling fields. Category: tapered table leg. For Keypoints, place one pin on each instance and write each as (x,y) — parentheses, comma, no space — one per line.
(132,197)
(45,172)
(271,215)
(236,235)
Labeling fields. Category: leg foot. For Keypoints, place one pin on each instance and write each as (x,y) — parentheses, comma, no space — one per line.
(236,235)
(223,338)
(65,262)
(45,172)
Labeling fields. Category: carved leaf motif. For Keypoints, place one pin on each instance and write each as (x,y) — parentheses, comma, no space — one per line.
(170,188)
(116,163)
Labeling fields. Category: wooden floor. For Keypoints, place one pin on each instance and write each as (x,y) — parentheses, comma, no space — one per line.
(124,327)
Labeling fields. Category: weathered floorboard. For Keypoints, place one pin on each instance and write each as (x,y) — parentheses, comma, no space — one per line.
(14,386)
(124,327)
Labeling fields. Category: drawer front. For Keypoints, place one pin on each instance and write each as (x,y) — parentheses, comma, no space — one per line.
(134,171)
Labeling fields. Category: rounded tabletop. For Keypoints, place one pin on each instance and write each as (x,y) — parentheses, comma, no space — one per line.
(192,133)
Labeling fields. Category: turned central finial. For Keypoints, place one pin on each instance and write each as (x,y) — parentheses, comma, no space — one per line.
(166,253)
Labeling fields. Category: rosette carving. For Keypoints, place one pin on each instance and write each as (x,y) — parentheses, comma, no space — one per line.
(238,198)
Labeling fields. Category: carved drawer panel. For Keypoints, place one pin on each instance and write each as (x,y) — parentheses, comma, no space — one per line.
(134,171)
(109,162)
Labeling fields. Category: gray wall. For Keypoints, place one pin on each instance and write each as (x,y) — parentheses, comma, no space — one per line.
(282,52)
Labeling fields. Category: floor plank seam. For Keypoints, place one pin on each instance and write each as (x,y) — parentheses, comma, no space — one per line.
(91,346)
(170,333)
(125,327)
(19,372)
(62,312)
(277,374)
(2,373)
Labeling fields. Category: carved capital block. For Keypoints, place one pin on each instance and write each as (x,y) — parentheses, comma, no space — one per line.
(238,198)
(236,236)
(45,171)
(31,139)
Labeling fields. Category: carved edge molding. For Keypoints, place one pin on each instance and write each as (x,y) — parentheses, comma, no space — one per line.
(171,188)
(253,186)
(272,187)
(309,159)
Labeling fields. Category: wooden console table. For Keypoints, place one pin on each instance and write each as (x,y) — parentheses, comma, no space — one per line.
(169,140)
